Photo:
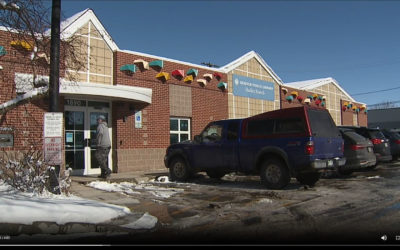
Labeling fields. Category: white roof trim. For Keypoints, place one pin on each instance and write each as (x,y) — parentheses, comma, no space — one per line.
(71,25)
(252,54)
(113,92)
(315,83)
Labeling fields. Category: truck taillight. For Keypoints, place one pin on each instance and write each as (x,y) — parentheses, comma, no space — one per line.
(397,141)
(310,148)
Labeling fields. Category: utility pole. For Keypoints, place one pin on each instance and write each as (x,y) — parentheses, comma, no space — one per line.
(55,56)
(54,84)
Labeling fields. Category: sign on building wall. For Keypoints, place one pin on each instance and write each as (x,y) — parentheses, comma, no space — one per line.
(253,88)
(138,119)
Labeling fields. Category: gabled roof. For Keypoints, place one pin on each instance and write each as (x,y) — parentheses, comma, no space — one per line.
(315,83)
(246,57)
(71,25)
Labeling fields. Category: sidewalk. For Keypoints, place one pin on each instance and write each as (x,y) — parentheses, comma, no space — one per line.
(36,233)
(135,177)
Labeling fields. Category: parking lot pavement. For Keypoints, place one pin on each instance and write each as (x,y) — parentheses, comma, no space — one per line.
(356,209)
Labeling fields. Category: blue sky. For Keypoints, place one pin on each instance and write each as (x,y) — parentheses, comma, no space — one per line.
(355,42)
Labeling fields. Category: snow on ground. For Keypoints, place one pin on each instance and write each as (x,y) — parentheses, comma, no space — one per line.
(127,188)
(147,221)
(26,208)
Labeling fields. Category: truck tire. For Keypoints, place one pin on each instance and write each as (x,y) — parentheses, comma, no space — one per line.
(274,174)
(309,178)
(179,170)
(215,174)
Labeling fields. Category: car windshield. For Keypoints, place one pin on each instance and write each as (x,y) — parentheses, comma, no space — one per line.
(322,124)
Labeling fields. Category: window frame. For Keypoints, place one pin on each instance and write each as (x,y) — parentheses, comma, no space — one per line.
(179,132)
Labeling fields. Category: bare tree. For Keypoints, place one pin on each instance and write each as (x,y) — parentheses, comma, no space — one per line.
(28,23)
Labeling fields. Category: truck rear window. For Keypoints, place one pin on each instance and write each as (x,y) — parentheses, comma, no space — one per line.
(275,126)
(322,124)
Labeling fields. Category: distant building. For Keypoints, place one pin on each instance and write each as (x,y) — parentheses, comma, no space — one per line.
(384,118)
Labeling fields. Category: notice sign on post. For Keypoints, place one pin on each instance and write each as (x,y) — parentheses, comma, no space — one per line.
(53,131)
(53,124)
(52,150)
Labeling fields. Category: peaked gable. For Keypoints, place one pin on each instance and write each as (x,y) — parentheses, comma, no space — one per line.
(315,83)
(250,55)
(73,24)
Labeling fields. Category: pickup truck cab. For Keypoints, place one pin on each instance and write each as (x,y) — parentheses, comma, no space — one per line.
(295,142)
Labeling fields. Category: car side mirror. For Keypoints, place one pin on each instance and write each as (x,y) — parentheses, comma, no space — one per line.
(198,138)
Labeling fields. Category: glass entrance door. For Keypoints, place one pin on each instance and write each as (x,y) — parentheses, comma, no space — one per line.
(80,135)
(94,165)
(75,141)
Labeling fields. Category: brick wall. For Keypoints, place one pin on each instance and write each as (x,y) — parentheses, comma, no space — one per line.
(351,117)
(296,103)
(140,149)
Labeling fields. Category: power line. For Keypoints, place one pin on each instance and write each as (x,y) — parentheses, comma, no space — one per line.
(376,91)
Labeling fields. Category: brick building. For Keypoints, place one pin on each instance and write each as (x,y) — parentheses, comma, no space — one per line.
(149,101)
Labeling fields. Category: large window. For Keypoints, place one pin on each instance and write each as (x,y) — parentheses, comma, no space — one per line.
(179,130)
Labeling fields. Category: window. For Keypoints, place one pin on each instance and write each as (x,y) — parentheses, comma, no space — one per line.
(233,129)
(179,130)
(289,126)
(260,127)
(212,133)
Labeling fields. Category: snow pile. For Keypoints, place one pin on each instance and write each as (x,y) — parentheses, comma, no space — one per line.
(147,221)
(123,187)
(26,208)
(127,188)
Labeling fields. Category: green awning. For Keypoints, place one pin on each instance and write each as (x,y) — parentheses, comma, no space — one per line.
(128,67)
(157,63)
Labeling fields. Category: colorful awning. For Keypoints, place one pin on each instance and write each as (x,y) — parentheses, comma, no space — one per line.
(217,75)
(22,44)
(222,85)
(157,64)
(141,63)
(163,76)
(188,79)
(178,73)
(208,76)
(2,51)
(193,72)
(202,82)
(128,67)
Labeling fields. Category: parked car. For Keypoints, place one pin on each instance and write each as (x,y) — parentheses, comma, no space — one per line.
(394,139)
(358,151)
(379,141)
(276,145)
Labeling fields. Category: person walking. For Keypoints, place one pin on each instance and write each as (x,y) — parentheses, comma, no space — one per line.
(103,146)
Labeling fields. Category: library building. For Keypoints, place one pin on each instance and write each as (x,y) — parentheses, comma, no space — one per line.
(148,101)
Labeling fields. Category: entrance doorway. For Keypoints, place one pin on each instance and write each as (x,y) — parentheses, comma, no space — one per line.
(80,134)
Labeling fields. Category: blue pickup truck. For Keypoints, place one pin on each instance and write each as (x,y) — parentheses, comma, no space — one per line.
(295,142)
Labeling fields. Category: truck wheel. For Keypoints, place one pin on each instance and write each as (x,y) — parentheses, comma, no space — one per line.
(215,174)
(308,179)
(178,170)
(274,174)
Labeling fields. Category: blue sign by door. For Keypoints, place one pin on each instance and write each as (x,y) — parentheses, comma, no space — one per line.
(253,88)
